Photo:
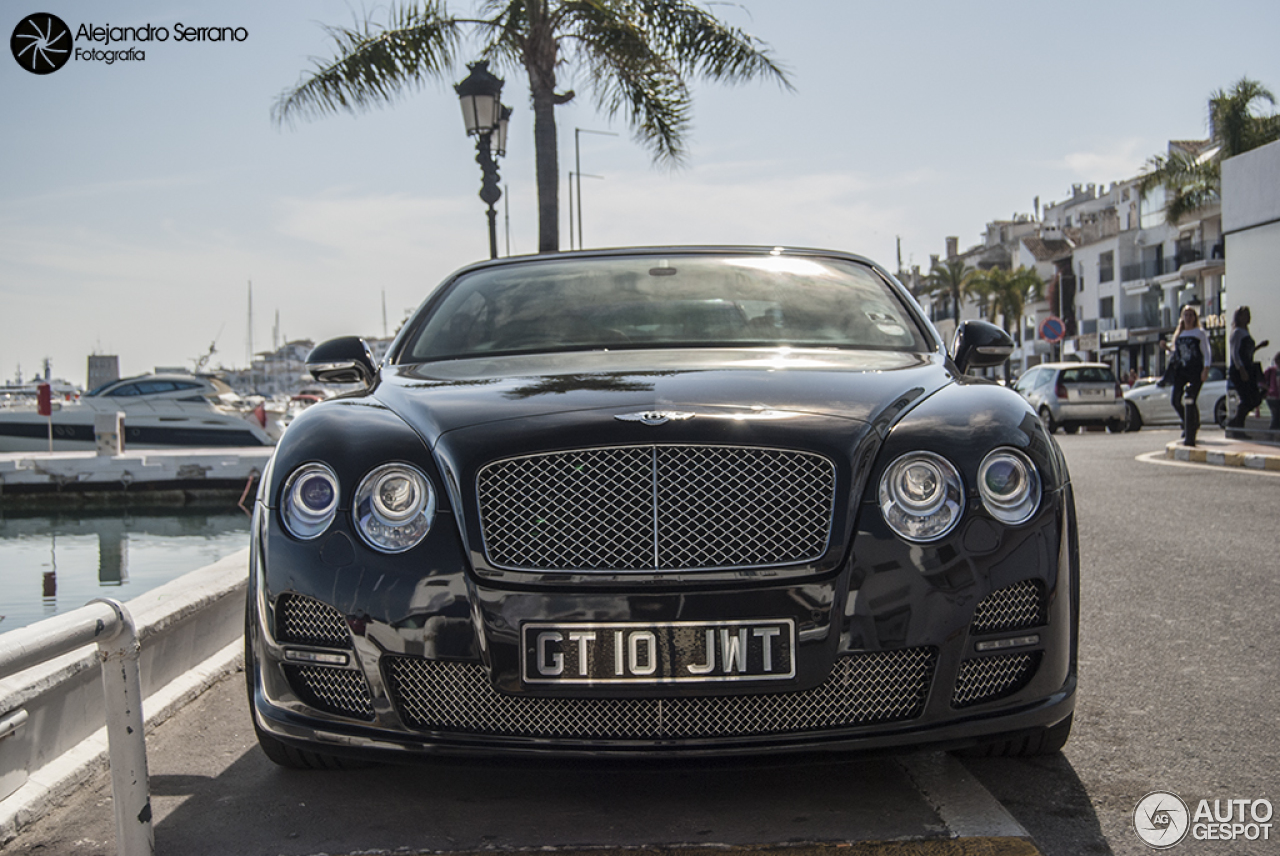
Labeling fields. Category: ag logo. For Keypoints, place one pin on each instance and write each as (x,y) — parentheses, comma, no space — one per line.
(1161,819)
(41,43)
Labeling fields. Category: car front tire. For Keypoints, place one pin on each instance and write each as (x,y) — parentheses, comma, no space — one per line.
(1220,412)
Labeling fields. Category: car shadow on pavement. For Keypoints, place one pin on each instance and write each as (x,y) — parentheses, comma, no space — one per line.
(1047,797)
(255,807)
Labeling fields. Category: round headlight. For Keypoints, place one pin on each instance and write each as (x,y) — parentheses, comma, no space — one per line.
(1010,486)
(310,501)
(393,508)
(921,496)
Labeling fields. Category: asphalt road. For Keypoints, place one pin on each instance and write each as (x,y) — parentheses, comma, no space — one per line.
(1178,692)
(1179,660)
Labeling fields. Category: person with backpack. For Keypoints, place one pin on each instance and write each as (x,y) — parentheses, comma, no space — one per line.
(1192,354)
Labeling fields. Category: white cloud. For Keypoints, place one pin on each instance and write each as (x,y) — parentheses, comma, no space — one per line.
(1120,160)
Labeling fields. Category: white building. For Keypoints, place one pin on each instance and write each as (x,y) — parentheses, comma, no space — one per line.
(1251,226)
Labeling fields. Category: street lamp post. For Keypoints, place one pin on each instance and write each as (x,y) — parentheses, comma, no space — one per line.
(577,165)
(486,119)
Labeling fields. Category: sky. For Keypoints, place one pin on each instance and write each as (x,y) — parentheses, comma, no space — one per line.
(153,210)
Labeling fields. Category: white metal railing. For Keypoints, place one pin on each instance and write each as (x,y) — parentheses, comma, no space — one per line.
(107,623)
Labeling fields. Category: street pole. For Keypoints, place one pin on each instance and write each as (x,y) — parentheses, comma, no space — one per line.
(490,192)
(577,167)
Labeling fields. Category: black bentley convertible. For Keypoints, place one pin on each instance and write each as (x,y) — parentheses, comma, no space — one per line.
(656,502)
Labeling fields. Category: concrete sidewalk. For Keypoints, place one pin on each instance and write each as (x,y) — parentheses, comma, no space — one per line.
(1226,452)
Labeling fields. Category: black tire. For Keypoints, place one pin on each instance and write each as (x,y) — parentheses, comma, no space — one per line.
(1070,429)
(1220,412)
(1118,426)
(1046,419)
(1047,742)
(1132,417)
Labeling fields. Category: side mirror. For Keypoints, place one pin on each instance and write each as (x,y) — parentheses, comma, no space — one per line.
(343,360)
(980,345)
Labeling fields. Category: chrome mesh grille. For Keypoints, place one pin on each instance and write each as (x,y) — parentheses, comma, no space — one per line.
(862,689)
(990,678)
(664,508)
(1011,608)
(306,621)
(344,692)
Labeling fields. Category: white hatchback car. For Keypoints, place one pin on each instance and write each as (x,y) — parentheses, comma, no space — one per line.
(1070,395)
(1151,404)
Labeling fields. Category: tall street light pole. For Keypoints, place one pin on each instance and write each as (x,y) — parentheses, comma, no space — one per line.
(486,118)
(577,166)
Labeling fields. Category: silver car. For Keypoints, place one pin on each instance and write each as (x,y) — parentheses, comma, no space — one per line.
(1150,404)
(1071,395)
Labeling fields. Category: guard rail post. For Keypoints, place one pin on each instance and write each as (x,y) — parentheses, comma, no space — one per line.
(108,623)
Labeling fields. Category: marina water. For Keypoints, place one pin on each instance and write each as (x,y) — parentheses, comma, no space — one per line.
(54,563)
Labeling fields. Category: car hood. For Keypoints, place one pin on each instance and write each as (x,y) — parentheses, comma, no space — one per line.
(756,384)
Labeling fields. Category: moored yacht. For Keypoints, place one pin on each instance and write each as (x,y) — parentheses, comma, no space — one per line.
(161,411)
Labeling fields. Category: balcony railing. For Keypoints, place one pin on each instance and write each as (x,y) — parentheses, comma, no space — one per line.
(1190,253)
(1148,270)
(1153,317)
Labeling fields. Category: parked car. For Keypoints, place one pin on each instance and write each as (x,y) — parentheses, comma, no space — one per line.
(1152,404)
(1070,395)
(664,502)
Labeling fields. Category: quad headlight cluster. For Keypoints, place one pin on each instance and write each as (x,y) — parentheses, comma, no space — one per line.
(922,495)
(392,508)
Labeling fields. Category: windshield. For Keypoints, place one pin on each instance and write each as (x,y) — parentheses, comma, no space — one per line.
(678,301)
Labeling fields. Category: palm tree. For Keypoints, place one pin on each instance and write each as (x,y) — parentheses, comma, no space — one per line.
(1006,293)
(1193,179)
(953,280)
(1234,122)
(637,56)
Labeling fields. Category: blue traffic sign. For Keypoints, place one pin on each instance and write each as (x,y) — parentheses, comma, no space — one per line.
(1052,329)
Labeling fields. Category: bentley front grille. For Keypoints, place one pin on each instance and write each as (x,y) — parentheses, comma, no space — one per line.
(1011,608)
(343,692)
(990,678)
(862,689)
(656,508)
(306,621)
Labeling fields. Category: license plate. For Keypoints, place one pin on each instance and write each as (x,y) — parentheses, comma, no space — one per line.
(676,652)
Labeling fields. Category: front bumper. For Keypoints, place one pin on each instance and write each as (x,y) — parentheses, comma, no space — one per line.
(904,647)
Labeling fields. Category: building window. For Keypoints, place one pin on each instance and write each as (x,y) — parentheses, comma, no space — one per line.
(1107,266)
(1107,307)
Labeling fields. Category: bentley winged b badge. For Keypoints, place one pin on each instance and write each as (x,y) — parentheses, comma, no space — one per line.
(655,417)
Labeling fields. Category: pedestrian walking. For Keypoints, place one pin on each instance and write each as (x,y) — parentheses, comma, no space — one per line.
(1190,363)
(1245,375)
(1272,378)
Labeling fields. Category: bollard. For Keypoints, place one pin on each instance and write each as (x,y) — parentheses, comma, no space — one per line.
(108,434)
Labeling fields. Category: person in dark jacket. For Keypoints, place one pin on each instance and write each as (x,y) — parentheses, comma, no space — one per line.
(1244,376)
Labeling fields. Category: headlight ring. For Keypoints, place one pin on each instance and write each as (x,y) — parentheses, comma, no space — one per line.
(310,501)
(921,496)
(1009,484)
(394,507)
